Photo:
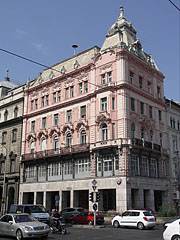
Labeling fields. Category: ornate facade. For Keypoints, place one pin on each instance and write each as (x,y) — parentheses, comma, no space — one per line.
(98,115)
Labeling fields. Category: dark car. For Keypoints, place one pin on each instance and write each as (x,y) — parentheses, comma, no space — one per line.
(87,218)
(66,213)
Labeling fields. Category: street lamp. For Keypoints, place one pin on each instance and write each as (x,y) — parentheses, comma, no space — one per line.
(3,204)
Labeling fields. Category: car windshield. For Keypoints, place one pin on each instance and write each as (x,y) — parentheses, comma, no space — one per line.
(23,218)
(147,214)
(37,209)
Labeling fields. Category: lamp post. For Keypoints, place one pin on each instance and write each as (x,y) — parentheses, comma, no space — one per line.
(3,204)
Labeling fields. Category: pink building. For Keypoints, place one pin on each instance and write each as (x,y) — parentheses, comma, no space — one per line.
(98,115)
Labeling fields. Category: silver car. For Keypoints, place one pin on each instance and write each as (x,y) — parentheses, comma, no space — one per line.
(22,226)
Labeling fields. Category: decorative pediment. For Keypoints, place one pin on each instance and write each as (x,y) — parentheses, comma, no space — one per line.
(42,133)
(102,118)
(68,127)
(81,124)
(54,131)
(144,121)
(31,136)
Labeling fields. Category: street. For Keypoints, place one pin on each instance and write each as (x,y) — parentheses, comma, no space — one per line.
(108,232)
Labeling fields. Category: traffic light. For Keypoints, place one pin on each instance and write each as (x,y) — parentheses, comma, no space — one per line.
(98,197)
(91,196)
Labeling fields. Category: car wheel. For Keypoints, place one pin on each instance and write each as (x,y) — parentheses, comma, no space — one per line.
(90,222)
(176,237)
(19,235)
(116,224)
(140,226)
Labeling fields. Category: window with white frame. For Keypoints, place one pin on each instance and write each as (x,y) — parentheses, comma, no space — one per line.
(4,137)
(54,97)
(2,167)
(55,143)
(54,169)
(69,116)
(32,147)
(42,171)
(144,167)
(104,104)
(108,163)
(12,165)
(158,92)
(83,112)
(133,131)
(142,133)
(59,96)
(131,77)
(86,86)
(104,132)
(103,79)
(44,122)
(43,144)
(31,172)
(42,102)
(14,135)
(163,164)
(32,126)
(68,140)
(80,88)
(82,166)
(135,165)
(151,136)
(56,119)
(83,137)
(68,168)
(116,163)
(71,91)
(113,131)
(153,168)
(109,77)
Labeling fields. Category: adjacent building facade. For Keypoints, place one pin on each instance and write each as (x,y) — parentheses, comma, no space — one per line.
(99,115)
(11,110)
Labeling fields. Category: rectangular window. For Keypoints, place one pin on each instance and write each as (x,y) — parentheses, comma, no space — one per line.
(14,135)
(36,103)
(103,79)
(47,100)
(83,112)
(69,116)
(151,112)
(135,165)
(153,168)
(54,97)
(140,82)
(158,92)
(2,166)
(44,122)
(12,166)
(160,115)
(42,101)
(107,163)
(56,119)
(82,166)
(142,107)
(85,86)
(68,168)
(80,88)
(104,104)
(113,103)
(149,87)
(131,77)
(32,103)
(59,96)
(133,104)
(144,168)
(67,93)
(109,77)
(71,91)
(32,126)
(54,169)
(113,130)
(4,137)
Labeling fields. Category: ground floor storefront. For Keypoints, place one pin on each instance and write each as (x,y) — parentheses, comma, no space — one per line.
(116,193)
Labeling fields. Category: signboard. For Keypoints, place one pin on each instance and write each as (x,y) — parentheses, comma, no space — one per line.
(94,206)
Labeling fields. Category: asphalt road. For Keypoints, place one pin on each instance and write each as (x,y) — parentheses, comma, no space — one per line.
(90,233)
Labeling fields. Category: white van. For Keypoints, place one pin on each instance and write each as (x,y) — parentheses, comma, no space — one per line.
(37,211)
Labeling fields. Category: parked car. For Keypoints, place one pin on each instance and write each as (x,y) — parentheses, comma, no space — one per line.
(68,212)
(135,218)
(172,230)
(22,226)
(87,218)
(37,211)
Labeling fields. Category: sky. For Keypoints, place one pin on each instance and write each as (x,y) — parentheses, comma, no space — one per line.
(45,30)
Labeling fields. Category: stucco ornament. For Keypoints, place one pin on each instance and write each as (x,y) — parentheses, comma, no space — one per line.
(103,119)
(31,136)
(81,124)
(69,126)
(54,131)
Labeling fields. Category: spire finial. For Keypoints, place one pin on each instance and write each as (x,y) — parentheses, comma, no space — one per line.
(121,12)
(7,77)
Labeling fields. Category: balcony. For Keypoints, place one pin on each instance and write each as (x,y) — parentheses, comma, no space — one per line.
(146,144)
(56,152)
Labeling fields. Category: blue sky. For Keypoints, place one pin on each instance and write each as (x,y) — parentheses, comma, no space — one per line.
(45,30)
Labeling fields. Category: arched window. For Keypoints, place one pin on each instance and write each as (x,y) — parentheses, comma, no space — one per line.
(43,145)
(55,143)
(104,132)
(83,137)
(133,130)
(16,112)
(32,147)
(142,133)
(6,115)
(68,140)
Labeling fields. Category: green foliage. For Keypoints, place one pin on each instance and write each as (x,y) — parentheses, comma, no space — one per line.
(166,211)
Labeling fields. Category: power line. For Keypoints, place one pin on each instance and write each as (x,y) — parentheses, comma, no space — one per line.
(37,63)
(174,5)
